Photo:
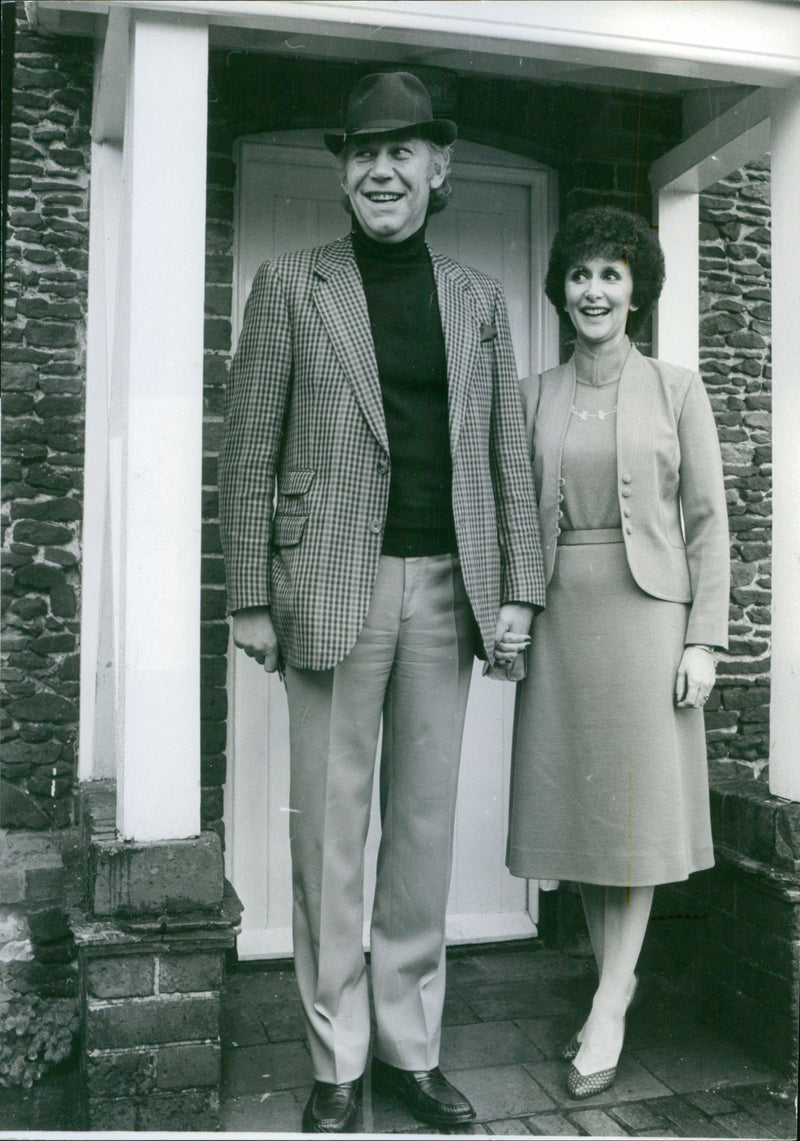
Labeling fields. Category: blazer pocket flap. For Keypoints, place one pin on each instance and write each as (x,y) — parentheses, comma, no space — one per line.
(287,530)
(295,482)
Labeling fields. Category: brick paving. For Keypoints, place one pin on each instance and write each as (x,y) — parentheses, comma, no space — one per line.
(507,1014)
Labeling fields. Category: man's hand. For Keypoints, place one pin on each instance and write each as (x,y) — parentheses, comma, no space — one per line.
(254,633)
(511,632)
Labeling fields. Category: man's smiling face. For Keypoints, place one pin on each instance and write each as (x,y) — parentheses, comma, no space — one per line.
(388,182)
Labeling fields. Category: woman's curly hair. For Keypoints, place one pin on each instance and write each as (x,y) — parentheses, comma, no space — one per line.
(607,231)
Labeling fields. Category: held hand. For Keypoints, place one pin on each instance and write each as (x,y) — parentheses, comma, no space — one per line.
(254,633)
(511,632)
(695,679)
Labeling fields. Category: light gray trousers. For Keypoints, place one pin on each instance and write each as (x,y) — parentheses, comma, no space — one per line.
(412,663)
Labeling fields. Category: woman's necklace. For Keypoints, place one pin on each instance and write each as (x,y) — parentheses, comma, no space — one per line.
(585,415)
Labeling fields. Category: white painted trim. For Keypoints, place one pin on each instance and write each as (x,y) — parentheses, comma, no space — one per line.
(784,770)
(676,333)
(746,41)
(111,78)
(734,138)
(158,400)
(99,613)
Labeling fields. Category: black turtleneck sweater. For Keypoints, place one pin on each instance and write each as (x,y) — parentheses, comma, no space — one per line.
(412,367)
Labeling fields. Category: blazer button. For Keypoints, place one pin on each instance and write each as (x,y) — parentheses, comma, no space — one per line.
(626,478)
(628,530)
(383,466)
(626,492)
(375,526)
(627,512)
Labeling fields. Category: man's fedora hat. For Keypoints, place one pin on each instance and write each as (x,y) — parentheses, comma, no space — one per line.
(388,103)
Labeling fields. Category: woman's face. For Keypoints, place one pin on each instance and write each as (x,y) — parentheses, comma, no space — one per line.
(598,293)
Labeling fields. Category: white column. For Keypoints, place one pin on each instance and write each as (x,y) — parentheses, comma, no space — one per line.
(784,771)
(157,402)
(677,323)
(98,633)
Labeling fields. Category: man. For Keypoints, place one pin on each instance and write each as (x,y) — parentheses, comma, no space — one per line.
(375,382)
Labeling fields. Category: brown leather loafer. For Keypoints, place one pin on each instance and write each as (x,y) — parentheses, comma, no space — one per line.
(332,1108)
(427,1093)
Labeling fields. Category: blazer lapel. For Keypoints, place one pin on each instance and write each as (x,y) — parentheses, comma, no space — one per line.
(633,400)
(339,297)
(550,433)
(461,327)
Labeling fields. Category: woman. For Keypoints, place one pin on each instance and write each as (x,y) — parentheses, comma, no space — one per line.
(609,784)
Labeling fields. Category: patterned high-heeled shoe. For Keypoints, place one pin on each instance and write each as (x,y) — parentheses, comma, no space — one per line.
(573,1046)
(587,1085)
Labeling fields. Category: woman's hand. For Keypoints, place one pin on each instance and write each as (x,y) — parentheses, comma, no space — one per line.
(696,675)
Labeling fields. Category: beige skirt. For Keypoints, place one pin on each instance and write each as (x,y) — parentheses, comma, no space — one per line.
(609,780)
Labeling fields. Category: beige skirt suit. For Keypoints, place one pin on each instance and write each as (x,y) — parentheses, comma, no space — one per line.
(609,778)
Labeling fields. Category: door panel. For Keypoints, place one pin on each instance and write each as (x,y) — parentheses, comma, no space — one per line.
(288,199)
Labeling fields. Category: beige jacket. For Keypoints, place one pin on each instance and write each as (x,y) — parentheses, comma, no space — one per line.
(670,483)
(305,412)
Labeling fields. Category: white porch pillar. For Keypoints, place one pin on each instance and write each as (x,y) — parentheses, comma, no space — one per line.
(784,768)
(100,561)
(99,607)
(157,403)
(677,325)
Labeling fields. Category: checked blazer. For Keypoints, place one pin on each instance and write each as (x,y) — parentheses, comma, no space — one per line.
(304,412)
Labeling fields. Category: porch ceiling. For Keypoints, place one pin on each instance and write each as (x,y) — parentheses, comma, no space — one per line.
(662,47)
(574,72)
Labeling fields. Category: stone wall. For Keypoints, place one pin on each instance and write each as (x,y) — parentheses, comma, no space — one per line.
(38,962)
(43,362)
(735,363)
(44,348)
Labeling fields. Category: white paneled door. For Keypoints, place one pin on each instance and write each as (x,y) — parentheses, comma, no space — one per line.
(499,220)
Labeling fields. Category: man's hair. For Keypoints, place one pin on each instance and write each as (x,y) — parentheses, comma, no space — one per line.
(608,232)
(440,156)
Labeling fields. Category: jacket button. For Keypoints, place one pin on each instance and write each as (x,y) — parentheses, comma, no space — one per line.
(626,492)
(375,526)
(383,466)
(628,530)
(627,512)
(626,478)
